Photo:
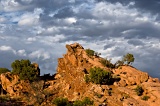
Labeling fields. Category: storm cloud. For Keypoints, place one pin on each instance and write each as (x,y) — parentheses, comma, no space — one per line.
(39,30)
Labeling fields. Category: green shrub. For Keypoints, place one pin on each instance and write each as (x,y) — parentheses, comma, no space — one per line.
(78,103)
(98,76)
(85,102)
(139,90)
(4,70)
(145,98)
(61,102)
(90,52)
(107,63)
(25,70)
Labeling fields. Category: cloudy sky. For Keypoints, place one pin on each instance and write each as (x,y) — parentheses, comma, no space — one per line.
(39,30)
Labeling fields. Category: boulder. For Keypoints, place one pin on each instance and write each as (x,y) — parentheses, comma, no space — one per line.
(131,76)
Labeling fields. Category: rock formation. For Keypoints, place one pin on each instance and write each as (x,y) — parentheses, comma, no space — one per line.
(69,83)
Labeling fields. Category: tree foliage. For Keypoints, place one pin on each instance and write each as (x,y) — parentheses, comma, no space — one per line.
(90,52)
(4,70)
(107,63)
(61,102)
(25,70)
(85,102)
(119,63)
(98,76)
(128,58)
(65,102)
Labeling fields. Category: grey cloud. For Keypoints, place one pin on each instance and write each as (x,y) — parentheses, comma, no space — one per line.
(116,31)
(64,13)
(109,45)
(143,5)
(135,42)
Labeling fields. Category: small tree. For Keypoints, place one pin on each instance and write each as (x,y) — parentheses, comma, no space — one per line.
(128,58)
(4,70)
(25,70)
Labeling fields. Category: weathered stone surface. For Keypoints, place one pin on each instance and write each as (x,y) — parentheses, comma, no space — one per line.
(69,82)
(131,76)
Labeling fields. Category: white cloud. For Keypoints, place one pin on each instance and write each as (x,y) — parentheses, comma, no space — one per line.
(31,39)
(11,5)
(27,1)
(72,1)
(50,40)
(102,26)
(7,48)
(21,52)
(40,54)
(53,29)
(29,19)
(71,20)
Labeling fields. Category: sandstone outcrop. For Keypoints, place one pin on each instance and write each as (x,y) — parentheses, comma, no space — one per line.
(131,76)
(12,84)
(69,82)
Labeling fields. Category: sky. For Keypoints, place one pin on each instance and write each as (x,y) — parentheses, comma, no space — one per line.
(38,30)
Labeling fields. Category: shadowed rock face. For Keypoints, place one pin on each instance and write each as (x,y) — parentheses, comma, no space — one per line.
(69,82)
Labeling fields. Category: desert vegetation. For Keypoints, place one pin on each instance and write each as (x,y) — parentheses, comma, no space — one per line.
(107,63)
(65,102)
(91,53)
(139,90)
(145,98)
(25,70)
(4,70)
(98,76)
(74,84)
(128,58)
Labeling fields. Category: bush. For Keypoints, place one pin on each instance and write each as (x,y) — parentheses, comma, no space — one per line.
(78,103)
(64,102)
(99,76)
(4,70)
(25,70)
(85,102)
(139,90)
(145,98)
(107,63)
(90,52)
(61,102)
